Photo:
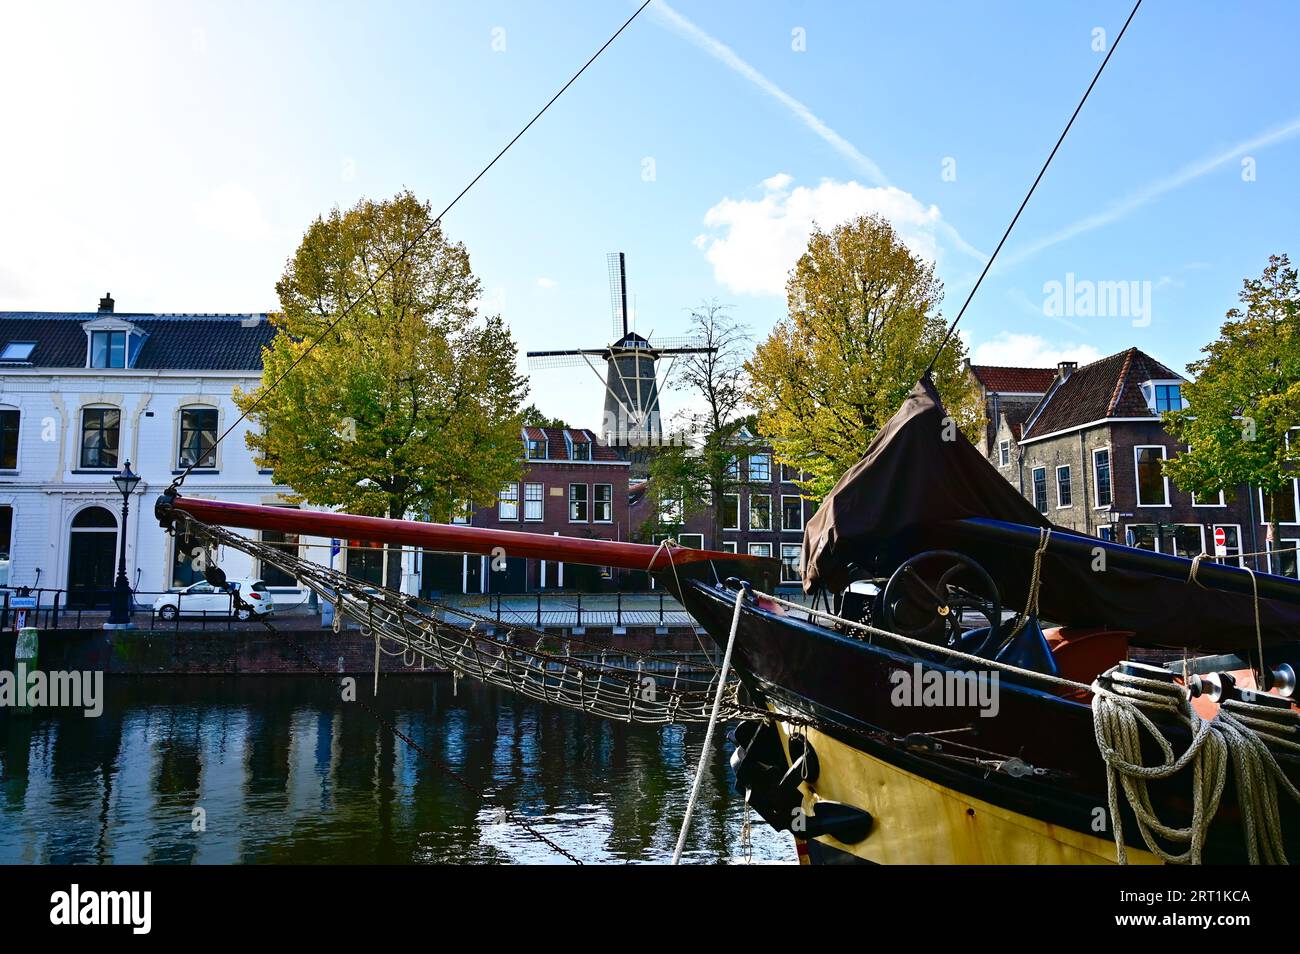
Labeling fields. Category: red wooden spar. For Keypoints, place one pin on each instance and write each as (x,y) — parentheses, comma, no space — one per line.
(443,537)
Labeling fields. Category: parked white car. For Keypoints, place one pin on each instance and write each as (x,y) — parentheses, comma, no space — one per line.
(204,599)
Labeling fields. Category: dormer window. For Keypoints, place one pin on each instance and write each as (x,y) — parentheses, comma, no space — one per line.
(581,450)
(536,448)
(1169,397)
(108,349)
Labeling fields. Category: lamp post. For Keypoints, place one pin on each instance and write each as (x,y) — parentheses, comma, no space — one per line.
(1113,517)
(119,616)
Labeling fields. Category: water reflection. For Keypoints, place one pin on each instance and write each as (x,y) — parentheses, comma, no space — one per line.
(284,772)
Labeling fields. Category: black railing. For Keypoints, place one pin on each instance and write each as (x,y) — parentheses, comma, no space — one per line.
(74,609)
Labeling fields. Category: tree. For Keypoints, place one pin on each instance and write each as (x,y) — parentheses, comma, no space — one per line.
(862,325)
(412,404)
(695,470)
(533,417)
(1245,398)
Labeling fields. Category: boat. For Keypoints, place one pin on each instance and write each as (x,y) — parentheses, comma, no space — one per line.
(970,685)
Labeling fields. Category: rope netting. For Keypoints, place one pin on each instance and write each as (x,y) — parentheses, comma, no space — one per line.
(587,676)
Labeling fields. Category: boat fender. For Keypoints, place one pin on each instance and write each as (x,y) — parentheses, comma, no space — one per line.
(842,822)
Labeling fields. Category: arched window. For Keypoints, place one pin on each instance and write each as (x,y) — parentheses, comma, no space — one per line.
(94,518)
(198,437)
(100,431)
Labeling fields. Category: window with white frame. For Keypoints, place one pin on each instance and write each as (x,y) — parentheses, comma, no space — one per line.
(1004,453)
(1101,476)
(198,440)
(108,349)
(508,503)
(577,503)
(760,468)
(533,501)
(1149,475)
(603,503)
(1280,505)
(1064,492)
(728,546)
(791,512)
(790,474)
(731,511)
(760,512)
(100,430)
(1198,501)
(760,550)
(1039,479)
(693,541)
(790,559)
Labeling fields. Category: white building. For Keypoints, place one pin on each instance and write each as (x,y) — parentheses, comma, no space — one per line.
(80,394)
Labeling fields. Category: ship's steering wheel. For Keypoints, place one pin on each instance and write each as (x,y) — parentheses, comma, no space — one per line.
(927,603)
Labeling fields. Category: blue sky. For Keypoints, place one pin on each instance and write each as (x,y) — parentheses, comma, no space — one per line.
(173,154)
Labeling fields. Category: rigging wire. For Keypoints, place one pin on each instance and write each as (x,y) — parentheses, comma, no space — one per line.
(406,250)
(953,327)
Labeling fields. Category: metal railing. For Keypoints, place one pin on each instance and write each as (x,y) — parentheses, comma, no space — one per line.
(76,609)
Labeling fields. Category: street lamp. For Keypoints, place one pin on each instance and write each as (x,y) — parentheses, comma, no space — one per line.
(1113,517)
(119,616)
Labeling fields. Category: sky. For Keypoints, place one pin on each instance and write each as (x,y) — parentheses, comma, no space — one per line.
(174,153)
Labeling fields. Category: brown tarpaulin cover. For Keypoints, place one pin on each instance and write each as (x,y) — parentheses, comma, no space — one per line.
(891,504)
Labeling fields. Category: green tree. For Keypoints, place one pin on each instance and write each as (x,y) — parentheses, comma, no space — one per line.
(862,325)
(698,467)
(412,404)
(1245,398)
(533,417)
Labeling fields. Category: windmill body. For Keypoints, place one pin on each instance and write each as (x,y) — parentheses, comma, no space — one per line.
(631,419)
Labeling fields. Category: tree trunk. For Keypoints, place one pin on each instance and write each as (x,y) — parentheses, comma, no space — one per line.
(393,555)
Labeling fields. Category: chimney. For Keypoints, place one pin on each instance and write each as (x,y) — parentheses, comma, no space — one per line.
(106,304)
(1065,368)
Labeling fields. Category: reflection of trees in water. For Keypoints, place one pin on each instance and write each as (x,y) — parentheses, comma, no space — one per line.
(312,779)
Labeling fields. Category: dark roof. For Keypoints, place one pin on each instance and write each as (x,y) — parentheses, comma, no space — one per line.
(172,342)
(1109,387)
(1014,380)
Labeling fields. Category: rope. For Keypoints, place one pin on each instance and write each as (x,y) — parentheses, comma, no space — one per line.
(1241,732)
(713,723)
(1035,581)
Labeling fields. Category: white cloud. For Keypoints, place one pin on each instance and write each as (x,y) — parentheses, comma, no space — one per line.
(233,210)
(1030,351)
(547,283)
(753,243)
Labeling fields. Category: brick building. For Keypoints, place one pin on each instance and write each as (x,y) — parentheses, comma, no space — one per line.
(765,516)
(573,485)
(1090,455)
(1010,396)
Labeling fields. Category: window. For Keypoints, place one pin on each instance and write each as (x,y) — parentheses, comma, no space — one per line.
(1106,533)
(728,546)
(532,501)
(1142,536)
(536,448)
(760,512)
(198,437)
(790,572)
(461,512)
(8,439)
(1064,497)
(604,503)
(508,503)
(760,550)
(1188,539)
(791,513)
(1210,502)
(271,574)
(671,511)
(760,468)
(1169,397)
(1283,501)
(1101,475)
(733,469)
(99,433)
(365,561)
(577,503)
(108,349)
(1152,485)
(6,536)
(1004,453)
(581,450)
(692,541)
(790,474)
(18,351)
(731,511)
(183,570)
(1040,489)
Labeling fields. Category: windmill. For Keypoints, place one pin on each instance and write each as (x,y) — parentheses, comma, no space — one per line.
(631,378)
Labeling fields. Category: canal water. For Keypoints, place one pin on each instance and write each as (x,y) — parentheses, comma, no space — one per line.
(283,771)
